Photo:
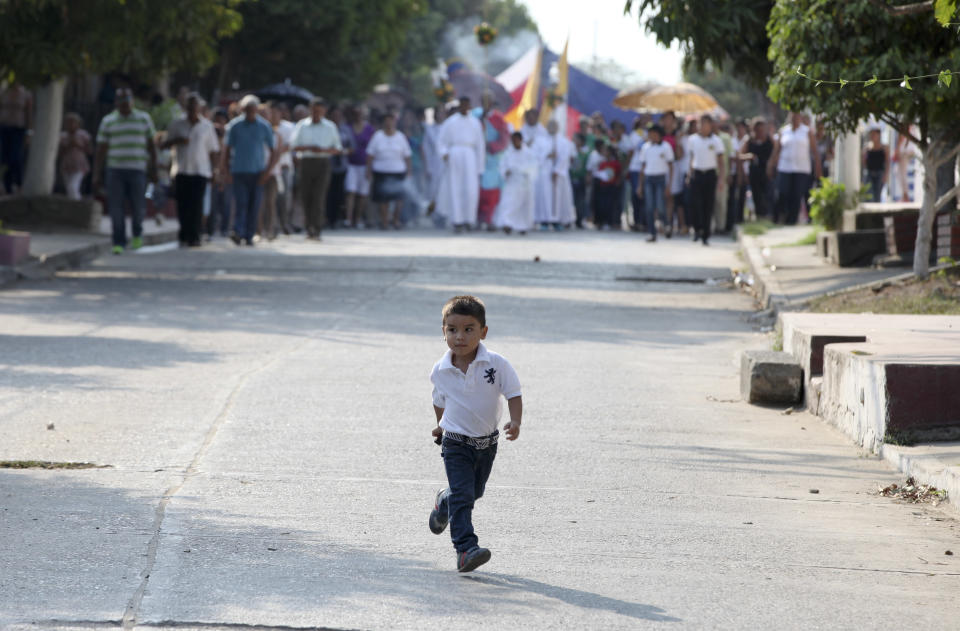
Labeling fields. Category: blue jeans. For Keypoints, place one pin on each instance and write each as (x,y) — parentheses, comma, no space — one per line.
(125,185)
(654,189)
(247,193)
(467,472)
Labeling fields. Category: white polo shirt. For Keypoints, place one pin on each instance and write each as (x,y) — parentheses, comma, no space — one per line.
(705,151)
(472,401)
(656,159)
(192,158)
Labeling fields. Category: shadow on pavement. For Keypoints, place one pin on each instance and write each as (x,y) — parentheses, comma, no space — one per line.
(74,548)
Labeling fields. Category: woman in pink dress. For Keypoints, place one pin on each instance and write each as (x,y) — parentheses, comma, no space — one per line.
(75,149)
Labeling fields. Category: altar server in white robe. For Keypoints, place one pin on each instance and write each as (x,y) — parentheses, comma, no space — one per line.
(531,129)
(554,192)
(518,167)
(462,149)
(431,154)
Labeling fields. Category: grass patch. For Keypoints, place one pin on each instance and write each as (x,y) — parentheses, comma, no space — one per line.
(778,339)
(809,239)
(756,228)
(43,464)
(937,295)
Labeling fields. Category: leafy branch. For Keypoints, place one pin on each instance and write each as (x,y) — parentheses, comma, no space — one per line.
(944,78)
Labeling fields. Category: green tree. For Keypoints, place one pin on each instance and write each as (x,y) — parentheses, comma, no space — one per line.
(730,36)
(443,31)
(737,97)
(42,42)
(854,40)
(331,47)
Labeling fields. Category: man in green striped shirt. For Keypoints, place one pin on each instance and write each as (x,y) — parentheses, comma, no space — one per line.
(125,146)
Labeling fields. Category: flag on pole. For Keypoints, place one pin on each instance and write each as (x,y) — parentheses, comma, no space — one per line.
(558,92)
(531,93)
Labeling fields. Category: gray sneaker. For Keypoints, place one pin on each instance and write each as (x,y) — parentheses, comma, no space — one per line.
(472,559)
(439,518)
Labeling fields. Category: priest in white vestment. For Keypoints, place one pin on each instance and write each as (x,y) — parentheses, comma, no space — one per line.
(518,167)
(554,192)
(461,146)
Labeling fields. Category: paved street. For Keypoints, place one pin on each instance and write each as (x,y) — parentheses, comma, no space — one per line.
(266,416)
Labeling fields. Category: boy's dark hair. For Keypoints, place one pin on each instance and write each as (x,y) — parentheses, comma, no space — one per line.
(466,306)
(516,135)
(656,129)
(598,144)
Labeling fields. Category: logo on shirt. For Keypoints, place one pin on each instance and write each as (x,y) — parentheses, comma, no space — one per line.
(491,375)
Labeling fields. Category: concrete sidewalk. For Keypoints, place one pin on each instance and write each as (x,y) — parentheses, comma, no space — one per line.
(54,251)
(787,276)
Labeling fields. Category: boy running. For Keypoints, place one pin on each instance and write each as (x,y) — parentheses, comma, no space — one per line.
(467,385)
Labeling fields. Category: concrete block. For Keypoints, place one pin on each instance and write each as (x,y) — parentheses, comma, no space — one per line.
(770,377)
(899,391)
(849,249)
(51,211)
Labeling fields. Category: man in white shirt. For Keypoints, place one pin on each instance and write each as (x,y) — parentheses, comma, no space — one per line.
(462,148)
(314,140)
(656,171)
(195,145)
(634,142)
(283,129)
(707,169)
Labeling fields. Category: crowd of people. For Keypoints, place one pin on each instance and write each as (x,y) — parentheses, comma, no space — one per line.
(250,170)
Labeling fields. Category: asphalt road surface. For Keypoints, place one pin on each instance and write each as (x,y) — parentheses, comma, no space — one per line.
(265,414)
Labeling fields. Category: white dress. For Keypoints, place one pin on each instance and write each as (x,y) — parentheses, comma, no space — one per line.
(461,143)
(518,167)
(432,160)
(553,200)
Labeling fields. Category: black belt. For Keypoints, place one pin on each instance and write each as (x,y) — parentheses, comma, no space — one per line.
(704,170)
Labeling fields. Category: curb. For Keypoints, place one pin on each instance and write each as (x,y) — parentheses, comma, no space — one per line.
(768,289)
(47,265)
(925,469)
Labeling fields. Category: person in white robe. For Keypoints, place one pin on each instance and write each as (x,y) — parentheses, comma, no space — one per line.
(554,192)
(431,155)
(518,167)
(531,129)
(462,149)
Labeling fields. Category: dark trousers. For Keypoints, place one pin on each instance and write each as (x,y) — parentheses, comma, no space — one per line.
(125,186)
(580,199)
(605,208)
(220,202)
(760,190)
(876,185)
(467,471)
(190,190)
(335,197)
(11,155)
(314,182)
(247,193)
(636,200)
(735,204)
(790,190)
(703,193)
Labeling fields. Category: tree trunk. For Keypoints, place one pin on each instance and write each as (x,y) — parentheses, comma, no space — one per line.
(42,162)
(921,251)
